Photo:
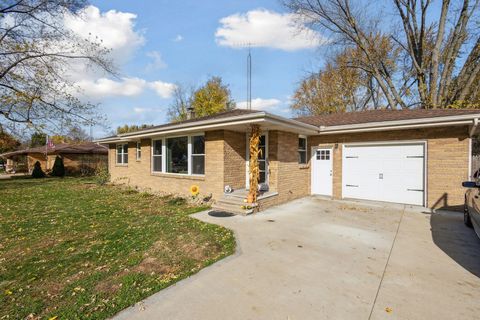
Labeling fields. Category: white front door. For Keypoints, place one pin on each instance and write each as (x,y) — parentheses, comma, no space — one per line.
(322,171)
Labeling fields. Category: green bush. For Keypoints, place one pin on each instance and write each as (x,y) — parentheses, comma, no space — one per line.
(37,171)
(102,176)
(58,169)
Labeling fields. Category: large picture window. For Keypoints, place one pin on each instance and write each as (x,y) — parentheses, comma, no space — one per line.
(157,156)
(122,153)
(302,150)
(198,155)
(177,155)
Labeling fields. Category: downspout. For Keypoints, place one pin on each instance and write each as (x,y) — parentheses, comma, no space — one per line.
(473,128)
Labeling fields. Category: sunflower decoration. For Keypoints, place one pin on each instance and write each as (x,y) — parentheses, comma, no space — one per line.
(194,190)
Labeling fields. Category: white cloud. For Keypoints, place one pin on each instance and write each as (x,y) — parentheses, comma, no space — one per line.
(157,61)
(139,110)
(126,87)
(163,89)
(178,38)
(115,29)
(261,104)
(264,28)
(104,87)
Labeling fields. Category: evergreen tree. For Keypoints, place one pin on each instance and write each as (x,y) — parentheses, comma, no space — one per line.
(58,169)
(37,171)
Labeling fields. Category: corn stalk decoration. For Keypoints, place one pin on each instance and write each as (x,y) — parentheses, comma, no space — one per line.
(255,152)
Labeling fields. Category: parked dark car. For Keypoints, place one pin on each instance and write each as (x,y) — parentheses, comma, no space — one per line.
(471,212)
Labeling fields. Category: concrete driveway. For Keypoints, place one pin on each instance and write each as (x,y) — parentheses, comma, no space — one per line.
(321,259)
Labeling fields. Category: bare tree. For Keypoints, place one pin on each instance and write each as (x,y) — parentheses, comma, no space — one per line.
(182,100)
(37,52)
(338,87)
(441,60)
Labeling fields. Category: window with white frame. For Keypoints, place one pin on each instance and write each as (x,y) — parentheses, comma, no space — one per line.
(302,150)
(180,155)
(198,154)
(139,151)
(157,156)
(122,153)
(177,155)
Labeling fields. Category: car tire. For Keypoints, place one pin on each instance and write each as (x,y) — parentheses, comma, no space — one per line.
(466,215)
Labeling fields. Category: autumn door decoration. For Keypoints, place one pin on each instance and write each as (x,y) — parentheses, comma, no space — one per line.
(254,170)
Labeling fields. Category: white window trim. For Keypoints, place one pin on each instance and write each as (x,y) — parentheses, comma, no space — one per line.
(164,153)
(152,155)
(123,163)
(305,150)
(138,149)
(190,152)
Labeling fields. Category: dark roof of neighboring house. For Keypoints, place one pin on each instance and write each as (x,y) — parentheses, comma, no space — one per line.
(337,119)
(220,115)
(63,148)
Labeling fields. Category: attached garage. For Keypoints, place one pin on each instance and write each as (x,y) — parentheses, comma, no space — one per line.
(414,157)
(385,172)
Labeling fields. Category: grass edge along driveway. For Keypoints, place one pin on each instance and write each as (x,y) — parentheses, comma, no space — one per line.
(70,249)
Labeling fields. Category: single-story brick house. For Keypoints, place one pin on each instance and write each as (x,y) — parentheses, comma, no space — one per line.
(416,157)
(77,158)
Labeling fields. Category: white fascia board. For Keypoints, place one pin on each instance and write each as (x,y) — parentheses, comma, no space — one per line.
(396,123)
(196,124)
(328,130)
(293,123)
(259,117)
(190,129)
(107,141)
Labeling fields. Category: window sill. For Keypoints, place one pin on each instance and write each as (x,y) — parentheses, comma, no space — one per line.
(178,176)
(303,166)
(121,165)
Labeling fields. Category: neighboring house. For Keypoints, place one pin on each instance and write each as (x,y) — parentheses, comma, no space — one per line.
(82,158)
(416,157)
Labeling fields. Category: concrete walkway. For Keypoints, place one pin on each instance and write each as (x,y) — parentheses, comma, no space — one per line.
(320,259)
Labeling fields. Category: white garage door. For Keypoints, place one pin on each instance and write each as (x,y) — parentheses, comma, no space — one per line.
(393,173)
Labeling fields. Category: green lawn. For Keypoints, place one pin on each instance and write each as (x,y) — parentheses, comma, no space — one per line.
(73,250)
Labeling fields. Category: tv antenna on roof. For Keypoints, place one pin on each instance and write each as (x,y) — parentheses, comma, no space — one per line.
(249,70)
(249,78)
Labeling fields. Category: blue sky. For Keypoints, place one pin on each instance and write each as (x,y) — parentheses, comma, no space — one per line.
(157,44)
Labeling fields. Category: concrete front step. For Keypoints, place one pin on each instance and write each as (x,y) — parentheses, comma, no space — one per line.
(232,200)
(235,208)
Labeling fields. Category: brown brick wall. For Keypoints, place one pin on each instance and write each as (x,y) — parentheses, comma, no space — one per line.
(138,173)
(224,164)
(82,163)
(234,155)
(290,179)
(447,159)
(74,163)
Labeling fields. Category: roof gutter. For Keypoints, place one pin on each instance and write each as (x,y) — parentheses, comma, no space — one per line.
(195,124)
(259,117)
(401,124)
